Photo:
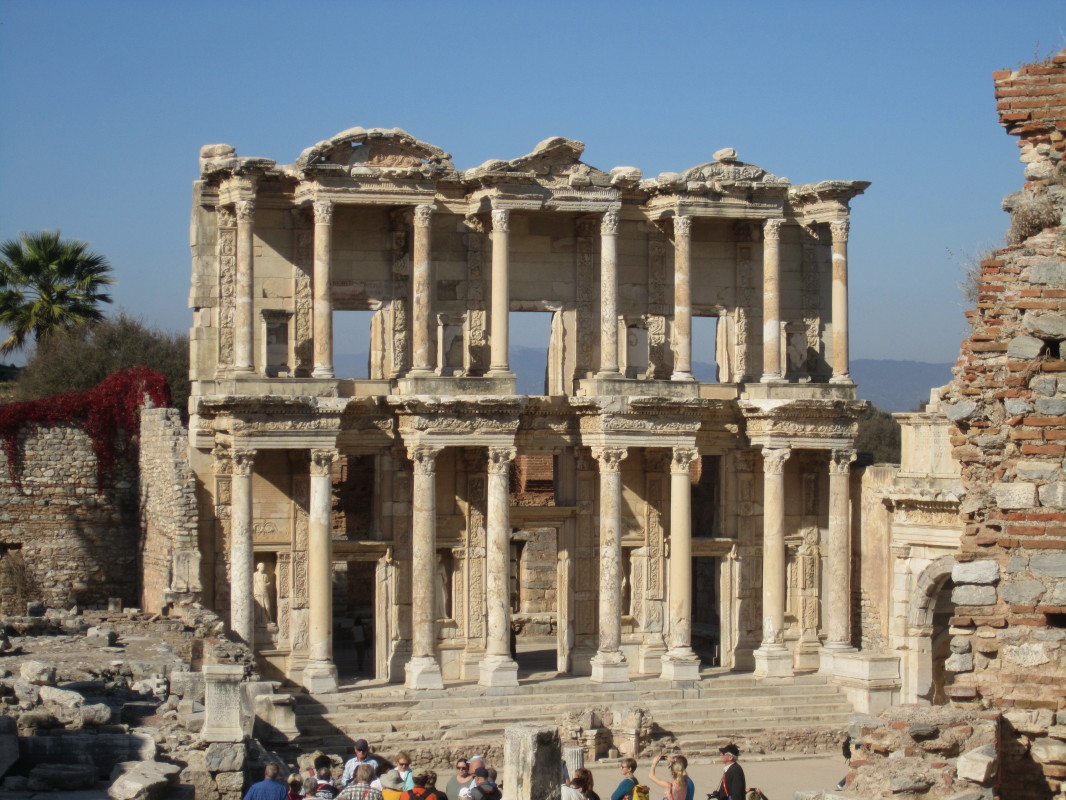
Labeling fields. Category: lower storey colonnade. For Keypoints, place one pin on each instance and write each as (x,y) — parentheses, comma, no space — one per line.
(651,553)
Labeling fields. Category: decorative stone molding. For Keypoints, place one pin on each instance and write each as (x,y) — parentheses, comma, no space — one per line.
(500,459)
(424,458)
(681,459)
(245,210)
(423,215)
(609,223)
(242,462)
(610,458)
(772,228)
(774,458)
(225,217)
(839,229)
(323,210)
(840,462)
(501,220)
(322,461)
(683,225)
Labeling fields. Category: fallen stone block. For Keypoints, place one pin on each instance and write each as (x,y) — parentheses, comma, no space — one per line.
(143,780)
(101,637)
(96,714)
(1049,751)
(61,697)
(977,765)
(225,757)
(38,673)
(62,777)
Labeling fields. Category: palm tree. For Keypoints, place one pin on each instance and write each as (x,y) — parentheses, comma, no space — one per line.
(48,283)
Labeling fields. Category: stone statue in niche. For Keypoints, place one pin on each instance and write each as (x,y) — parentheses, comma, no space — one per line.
(264,592)
(443,589)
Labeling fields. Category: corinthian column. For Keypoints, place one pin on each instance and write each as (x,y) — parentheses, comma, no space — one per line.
(838,551)
(680,663)
(841,367)
(609,664)
(320,674)
(242,290)
(682,298)
(771,302)
(772,659)
(422,294)
(609,296)
(423,671)
(499,336)
(323,307)
(241,603)
(497,667)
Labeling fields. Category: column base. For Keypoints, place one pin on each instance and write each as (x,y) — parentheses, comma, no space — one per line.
(610,668)
(608,375)
(806,654)
(423,673)
(827,654)
(320,678)
(680,667)
(322,372)
(844,377)
(242,370)
(773,377)
(773,661)
(498,671)
(500,372)
(682,376)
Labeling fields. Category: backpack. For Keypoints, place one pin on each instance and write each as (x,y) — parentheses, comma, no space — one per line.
(640,792)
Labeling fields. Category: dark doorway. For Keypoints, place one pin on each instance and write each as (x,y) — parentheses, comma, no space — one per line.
(706,622)
(353,619)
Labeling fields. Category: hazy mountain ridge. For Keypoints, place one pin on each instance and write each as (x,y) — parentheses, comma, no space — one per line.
(889,384)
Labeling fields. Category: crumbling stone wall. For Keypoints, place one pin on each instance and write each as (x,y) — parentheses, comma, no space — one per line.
(170,560)
(1008,403)
(78,545)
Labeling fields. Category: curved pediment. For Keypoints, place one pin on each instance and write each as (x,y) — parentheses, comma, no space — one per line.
(724,170)
(374,149)
(553,161)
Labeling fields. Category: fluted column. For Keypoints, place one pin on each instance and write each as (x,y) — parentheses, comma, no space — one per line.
(320,674)
(841,367)
(771,302)
(241,566)
(682,298)
(838,552)
(499,317)
(423,671)
(609,664)
(243,332)
(609,296)
(323,303)
(680,663)
(422,294)
(772,659)
(497,667)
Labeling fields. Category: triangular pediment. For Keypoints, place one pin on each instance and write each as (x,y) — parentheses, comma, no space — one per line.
(376,149)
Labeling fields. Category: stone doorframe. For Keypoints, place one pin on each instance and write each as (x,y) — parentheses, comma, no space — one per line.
(917,661)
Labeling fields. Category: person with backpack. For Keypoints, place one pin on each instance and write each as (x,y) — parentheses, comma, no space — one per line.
(484,788)
(628,783)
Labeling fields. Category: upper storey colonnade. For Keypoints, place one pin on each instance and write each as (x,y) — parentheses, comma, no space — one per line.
(377,220)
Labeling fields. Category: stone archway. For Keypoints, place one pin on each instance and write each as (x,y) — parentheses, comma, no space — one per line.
(926,637)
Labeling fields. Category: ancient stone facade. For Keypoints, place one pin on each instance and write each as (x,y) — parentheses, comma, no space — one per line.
(64,540)
(1008,404)
(395,491)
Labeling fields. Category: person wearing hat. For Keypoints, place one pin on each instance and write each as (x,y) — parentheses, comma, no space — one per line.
(362,756)
(391,785)
(484,788)
(734,786)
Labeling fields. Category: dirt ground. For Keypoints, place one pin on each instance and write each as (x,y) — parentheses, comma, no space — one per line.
(778,778)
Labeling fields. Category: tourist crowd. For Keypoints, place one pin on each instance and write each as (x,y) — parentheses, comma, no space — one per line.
(372,777)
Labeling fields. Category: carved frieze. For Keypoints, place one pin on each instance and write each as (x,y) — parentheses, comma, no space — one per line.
(227,272)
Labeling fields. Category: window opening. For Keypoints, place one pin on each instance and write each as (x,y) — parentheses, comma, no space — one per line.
(705,349)
(351,344)
(530,337)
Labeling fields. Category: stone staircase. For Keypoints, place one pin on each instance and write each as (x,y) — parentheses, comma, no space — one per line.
(469,718)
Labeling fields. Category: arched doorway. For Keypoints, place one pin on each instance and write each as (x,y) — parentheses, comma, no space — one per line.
(928,638)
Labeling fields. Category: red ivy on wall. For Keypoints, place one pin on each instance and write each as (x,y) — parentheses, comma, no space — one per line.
(107,410)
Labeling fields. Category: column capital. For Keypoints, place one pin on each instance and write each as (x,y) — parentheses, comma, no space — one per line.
(424,457)
(683,225)
(609,223)
(245,210)
(225,217)
(610,458)
(840,228)
(322,461)
(323,211)
(501,220)
(771,228)
(423,215)
(500,459)
(681,459)
(242,460)
(840,461)
(774,458)
(222,458)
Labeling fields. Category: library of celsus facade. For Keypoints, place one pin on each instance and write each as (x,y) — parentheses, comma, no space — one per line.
(400,524)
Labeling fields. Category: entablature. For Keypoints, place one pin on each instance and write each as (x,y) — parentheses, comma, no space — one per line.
(806,424)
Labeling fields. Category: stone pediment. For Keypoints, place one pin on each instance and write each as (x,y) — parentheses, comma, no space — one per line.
(722,173)
(374,151)
(554,162)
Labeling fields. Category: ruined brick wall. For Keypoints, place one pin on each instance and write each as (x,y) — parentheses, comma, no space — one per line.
(77,546)
(1008,402)
(169,553)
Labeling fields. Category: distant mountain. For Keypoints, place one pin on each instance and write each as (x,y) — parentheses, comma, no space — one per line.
(896,386)
(890,385)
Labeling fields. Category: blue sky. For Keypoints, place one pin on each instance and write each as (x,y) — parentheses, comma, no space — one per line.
(106,105)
